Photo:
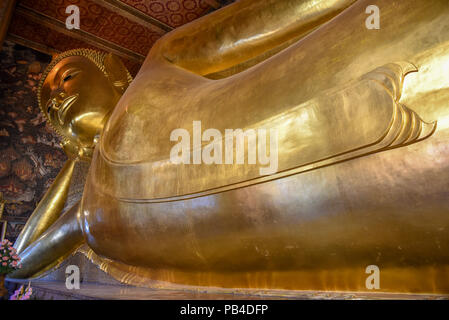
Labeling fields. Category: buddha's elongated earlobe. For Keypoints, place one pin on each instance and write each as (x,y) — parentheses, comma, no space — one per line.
(117,72)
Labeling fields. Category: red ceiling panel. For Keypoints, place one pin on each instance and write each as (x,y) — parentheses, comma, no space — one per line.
(27,29)
(171,12)
(100,22)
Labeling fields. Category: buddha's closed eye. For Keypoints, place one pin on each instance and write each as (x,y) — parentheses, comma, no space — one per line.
(69,75)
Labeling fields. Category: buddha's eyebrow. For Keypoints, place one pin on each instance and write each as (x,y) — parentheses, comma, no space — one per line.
(69,70)
(62,72)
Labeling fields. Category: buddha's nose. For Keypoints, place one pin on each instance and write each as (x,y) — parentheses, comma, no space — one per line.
(58,99)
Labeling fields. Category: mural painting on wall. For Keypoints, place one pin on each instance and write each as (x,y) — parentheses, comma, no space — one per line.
(30,155)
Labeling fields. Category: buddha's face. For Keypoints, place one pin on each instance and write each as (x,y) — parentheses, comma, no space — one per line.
(78,98)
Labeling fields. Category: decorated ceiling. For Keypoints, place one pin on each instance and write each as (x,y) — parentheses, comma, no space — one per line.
(128,28)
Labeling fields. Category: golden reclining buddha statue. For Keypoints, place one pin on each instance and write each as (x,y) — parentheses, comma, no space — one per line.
(362,134)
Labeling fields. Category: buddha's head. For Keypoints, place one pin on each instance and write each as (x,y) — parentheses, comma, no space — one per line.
(77,93)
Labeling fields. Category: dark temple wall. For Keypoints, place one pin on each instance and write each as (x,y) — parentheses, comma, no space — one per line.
(30,155)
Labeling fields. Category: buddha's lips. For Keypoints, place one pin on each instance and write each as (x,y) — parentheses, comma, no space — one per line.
(65,106)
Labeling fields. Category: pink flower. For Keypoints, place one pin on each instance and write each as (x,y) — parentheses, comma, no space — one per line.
(4,264)
(22,293)
(5,258)
(14,264)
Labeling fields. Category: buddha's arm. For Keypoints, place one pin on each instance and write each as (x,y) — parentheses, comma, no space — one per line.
(242,31)
(49,208)
(52,246)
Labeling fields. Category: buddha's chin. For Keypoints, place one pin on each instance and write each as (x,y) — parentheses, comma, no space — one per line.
(80,138)
(84,131)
